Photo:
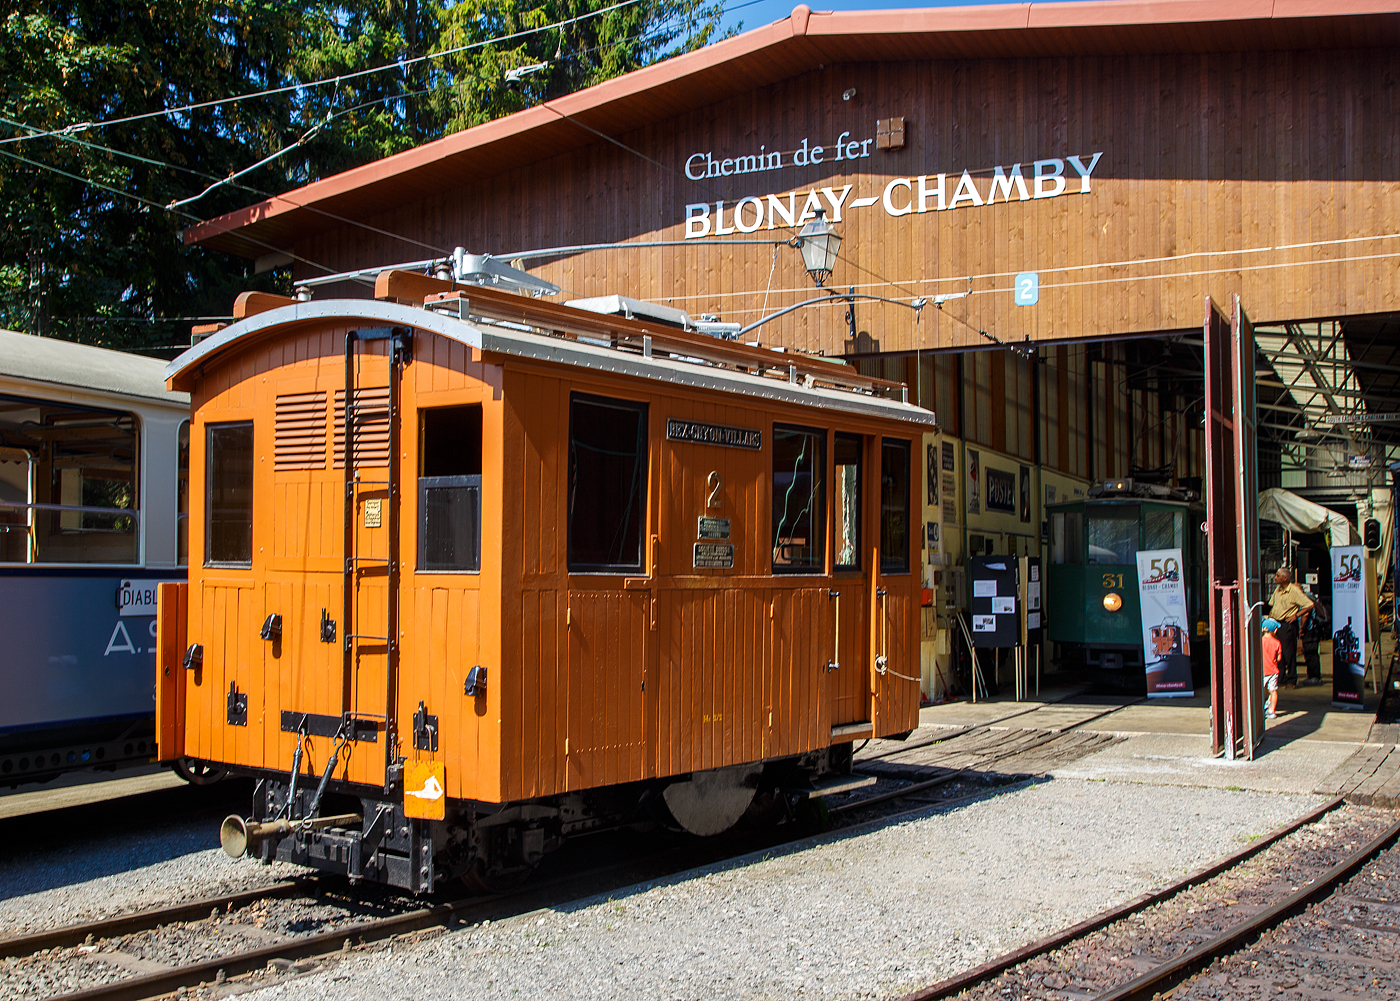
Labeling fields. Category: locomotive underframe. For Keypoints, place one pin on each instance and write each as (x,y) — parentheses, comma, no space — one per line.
(490,844)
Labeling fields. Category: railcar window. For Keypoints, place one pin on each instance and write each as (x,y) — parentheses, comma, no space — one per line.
(799,500)
(607,484)
(449,490)
(1067,537)
(1113,536)
(228,535)
(1162,528)
(68,487)
(182,494)
(894,507)
(848,493)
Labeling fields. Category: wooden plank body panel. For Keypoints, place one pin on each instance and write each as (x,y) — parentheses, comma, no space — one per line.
(593,679)
(172,628)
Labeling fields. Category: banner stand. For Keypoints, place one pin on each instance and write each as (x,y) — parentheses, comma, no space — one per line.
(1349,627)
(1166,640)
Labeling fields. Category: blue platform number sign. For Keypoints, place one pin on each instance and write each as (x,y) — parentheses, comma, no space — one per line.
(1027,288)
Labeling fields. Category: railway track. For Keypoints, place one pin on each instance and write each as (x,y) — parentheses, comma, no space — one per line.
(1031,740)
(1207,935)
(212,924)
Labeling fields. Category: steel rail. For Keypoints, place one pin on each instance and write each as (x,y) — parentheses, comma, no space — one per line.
(995,967)
(1175,971)
(972,769)
(960,731)
(124,924)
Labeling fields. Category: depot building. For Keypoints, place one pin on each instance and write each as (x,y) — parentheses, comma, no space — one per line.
(1040,209)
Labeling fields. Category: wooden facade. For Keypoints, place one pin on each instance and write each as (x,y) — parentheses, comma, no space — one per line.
(1252,164)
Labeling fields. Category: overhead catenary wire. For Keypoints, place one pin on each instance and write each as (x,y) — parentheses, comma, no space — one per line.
(67,134)
(149,203)
(400,64)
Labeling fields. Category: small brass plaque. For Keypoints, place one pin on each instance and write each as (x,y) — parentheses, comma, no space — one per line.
(374,512)
(714,556)
(712,528)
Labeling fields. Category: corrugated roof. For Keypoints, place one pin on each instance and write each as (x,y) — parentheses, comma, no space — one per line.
(798,44)
(63,363)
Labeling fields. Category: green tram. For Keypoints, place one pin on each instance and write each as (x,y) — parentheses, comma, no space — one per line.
(1093,613)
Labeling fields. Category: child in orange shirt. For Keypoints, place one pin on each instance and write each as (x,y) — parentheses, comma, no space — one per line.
(1273,650)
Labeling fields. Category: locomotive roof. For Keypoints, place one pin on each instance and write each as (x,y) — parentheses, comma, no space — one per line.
(82,366)
(517,340)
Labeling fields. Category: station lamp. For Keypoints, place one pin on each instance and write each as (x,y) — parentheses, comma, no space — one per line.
(819,244)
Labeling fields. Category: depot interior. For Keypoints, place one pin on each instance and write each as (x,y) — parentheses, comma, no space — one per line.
(1048,425)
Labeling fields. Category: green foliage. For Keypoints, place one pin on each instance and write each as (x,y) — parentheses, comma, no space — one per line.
(81,258)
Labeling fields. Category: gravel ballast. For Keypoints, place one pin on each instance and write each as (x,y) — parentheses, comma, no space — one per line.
(865,914)
(87,879)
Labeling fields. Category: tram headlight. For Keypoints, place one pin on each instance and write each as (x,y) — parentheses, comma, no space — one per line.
(1112,601)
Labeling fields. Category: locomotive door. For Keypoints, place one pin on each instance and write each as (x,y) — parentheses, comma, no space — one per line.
(894,662)
(847,687)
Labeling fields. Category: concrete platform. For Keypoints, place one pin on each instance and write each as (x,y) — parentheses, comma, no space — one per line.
(83,788)
(1311,747)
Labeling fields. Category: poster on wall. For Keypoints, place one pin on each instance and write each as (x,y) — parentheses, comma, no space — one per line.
(949,463)
(974,476)
(1348,627)
(1026,494)
(932,476)
(1166,643)
(1001,490)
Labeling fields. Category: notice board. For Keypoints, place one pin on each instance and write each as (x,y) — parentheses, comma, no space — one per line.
(993,603)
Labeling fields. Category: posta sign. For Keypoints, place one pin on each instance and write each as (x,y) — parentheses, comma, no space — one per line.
(900,196)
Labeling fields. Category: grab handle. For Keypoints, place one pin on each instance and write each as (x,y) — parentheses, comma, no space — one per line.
(835,663)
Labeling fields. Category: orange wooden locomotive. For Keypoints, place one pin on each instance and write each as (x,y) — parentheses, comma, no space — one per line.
(565,571)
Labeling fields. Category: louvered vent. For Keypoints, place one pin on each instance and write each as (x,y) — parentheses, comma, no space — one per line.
(371,430)
(299,435)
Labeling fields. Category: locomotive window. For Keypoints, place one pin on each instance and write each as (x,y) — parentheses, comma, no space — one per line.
(607,484)
(67,483)
(894,507)
(228,534)
(1067,537)
(1162,528)
(449,490)
(848,489)
(1113,536)
(799,501)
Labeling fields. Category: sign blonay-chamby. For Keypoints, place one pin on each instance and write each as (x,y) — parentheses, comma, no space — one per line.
(1050,177)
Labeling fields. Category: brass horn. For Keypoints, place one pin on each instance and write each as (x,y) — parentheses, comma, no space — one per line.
(238,836)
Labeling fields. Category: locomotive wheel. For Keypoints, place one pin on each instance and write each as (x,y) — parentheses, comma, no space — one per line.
(480,882)
(712,802)
(813,816)
(199,773)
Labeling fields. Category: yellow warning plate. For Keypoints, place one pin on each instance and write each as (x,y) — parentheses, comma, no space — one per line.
(425,790)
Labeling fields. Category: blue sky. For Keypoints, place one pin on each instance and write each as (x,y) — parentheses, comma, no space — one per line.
(755,14)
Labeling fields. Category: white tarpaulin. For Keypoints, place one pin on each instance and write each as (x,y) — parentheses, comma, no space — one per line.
(1298,514)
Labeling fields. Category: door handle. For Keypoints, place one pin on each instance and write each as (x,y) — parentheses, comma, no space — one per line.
(834,664)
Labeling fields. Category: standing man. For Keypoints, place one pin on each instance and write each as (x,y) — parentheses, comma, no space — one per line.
(1311,635)
(1291,607)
